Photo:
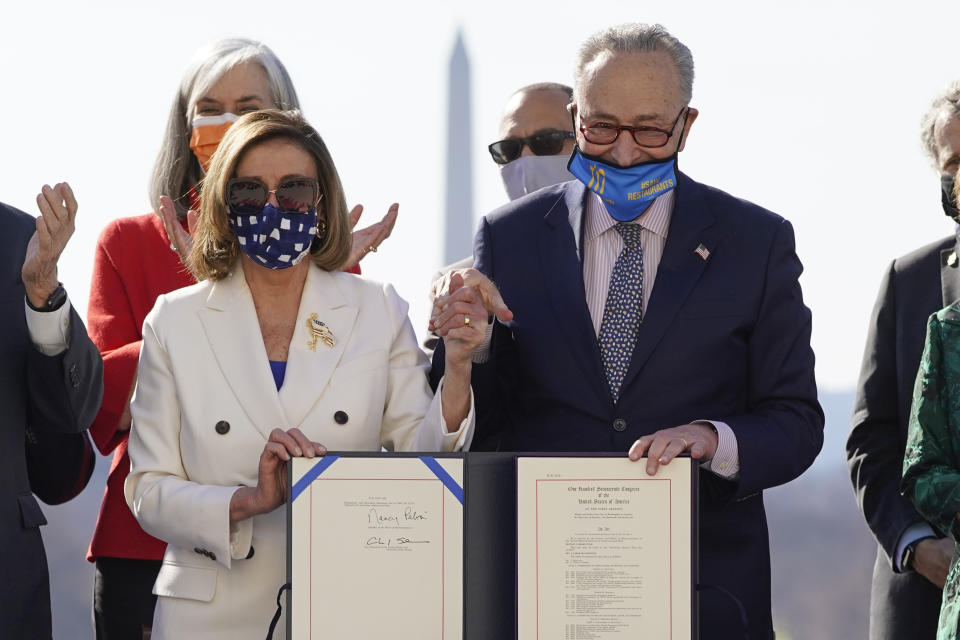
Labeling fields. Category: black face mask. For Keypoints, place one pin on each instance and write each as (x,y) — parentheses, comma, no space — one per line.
(947,199)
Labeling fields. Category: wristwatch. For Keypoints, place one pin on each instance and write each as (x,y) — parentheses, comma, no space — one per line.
(54,301)
(907,560)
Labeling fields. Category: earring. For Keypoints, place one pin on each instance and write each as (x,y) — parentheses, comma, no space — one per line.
(321,229)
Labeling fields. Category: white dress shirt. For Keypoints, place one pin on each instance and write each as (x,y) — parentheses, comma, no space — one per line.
(49,330)
(601,247)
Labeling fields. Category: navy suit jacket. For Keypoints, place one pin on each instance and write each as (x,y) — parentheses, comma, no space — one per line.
(903,605)
(724,338)
(55,393)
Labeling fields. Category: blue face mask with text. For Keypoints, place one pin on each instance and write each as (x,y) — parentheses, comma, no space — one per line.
(626,191)
(273,238)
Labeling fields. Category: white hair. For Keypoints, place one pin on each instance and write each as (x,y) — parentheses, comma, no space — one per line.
(949,100)
(636,37)
(176,169)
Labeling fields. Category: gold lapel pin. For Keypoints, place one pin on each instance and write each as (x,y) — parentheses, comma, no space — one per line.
(318,331)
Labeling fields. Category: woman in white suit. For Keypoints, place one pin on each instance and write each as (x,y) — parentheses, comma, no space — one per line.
(270,356)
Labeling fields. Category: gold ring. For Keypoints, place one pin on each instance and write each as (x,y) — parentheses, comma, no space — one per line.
(372,249)
(466,321)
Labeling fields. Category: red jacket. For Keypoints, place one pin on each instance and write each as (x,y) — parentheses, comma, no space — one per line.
(133,264)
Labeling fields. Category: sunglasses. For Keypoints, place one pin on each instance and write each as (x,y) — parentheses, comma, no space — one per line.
(548,142)
(294,195)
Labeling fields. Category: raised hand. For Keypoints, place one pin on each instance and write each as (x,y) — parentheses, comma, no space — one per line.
(368,239)
(58,211)
(180,240)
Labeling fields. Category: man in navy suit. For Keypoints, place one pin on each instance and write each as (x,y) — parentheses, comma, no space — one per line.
(640,310)
(51,378)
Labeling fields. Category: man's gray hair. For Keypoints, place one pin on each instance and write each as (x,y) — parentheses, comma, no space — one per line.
(636,37)
(176,169)
(949,99)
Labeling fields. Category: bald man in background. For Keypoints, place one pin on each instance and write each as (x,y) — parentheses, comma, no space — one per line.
(536,142)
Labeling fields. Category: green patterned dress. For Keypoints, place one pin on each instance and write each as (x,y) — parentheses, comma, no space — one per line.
(931,465)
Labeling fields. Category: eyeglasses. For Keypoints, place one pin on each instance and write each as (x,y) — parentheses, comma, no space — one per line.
(548,142)
(249,195)
(650,137)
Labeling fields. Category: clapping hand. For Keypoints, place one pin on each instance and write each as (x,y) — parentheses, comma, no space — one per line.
(58,211)
(180,240)
(368,239)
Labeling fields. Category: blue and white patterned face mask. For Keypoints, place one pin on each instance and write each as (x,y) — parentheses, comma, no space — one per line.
(274,238)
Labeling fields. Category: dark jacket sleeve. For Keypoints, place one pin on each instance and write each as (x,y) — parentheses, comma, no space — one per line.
(931,476)
(65,390)
(782,433)
(875,445)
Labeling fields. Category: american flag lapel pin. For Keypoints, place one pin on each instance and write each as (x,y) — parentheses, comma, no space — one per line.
(702,251)
(318,331)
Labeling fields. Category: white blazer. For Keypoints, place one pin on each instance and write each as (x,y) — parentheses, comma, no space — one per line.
(205,404)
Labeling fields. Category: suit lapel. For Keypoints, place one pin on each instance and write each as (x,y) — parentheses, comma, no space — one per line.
(309,370)
(563,278)
(230,323)
(679,270)
(950,274)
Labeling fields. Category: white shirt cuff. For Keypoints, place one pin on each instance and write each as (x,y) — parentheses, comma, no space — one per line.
(726,461)
(913,533)
(49,330)
(482,353)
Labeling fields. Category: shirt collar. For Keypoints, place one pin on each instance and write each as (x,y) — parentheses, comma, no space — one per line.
(655,219)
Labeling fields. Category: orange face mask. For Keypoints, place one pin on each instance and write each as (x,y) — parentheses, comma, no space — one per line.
(207,133)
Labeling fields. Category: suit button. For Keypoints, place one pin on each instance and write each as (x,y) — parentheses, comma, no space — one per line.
(619,424)
(341,417)
(198,550)
(212,555)
(222,427)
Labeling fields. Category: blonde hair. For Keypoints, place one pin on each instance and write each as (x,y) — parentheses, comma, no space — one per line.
(215,247)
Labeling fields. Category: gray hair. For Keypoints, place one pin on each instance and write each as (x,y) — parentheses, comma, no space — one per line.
(546,86)
(636,37)
(176,169)
(948,99)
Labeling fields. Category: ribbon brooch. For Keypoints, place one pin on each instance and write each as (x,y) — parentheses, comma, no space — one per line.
(318,331)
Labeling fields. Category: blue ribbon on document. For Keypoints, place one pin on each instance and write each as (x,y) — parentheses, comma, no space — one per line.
(444,477)
(304,482)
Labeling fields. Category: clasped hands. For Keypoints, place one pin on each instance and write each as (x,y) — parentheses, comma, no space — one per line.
(463,300)
(459,288)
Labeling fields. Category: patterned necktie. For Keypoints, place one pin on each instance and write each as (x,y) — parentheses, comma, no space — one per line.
(624,309)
